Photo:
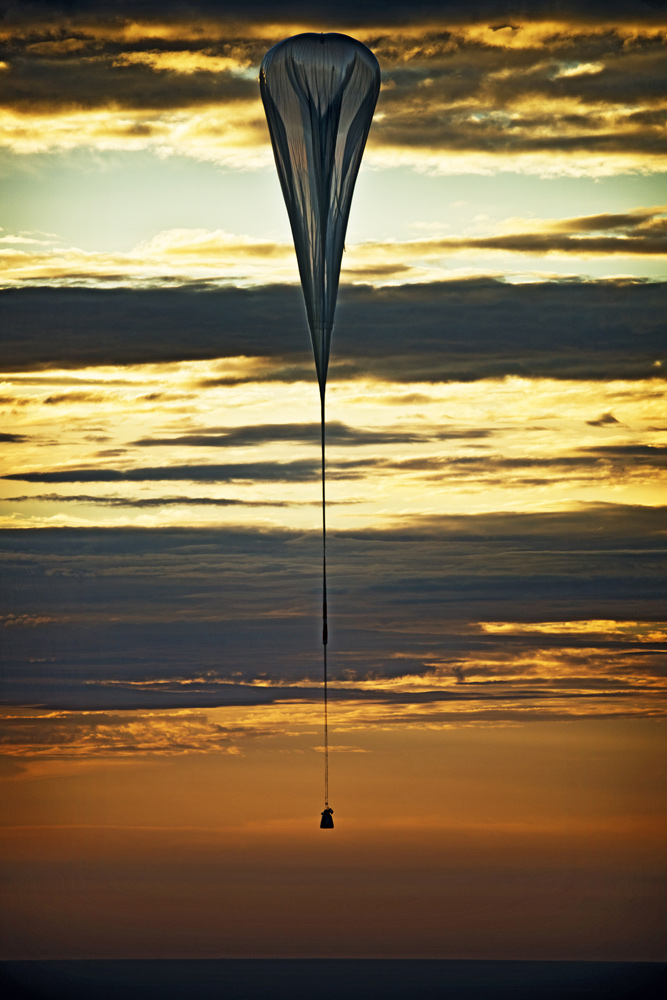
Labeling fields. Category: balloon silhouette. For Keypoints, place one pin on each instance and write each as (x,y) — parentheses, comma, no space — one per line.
(319,94)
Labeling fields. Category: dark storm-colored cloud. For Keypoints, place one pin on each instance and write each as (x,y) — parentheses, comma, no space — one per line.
(337,434)
(272,471)
(653,456)
(606,420)
(151,502)
(644,454)
(428,332)
(7,438)
(69,80)
(584,463)
(119,616)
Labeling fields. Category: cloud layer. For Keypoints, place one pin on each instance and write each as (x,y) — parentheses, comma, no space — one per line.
(467,620)
(465,330)
(196,254)
(564,90)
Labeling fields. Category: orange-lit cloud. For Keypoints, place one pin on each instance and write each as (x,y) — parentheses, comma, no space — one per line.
(634,631)
(68,734)
(506,687)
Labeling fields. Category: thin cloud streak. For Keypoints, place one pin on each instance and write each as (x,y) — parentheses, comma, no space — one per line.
(199,254)
(145,503)
(338,433)
(297,471)
(480,467)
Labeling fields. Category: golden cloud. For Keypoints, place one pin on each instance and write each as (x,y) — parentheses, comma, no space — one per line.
(198,253)
(634,631)
(84,734)
(545,97)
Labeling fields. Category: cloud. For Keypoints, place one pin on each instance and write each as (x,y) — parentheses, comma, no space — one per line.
(449,331)
(234,471)
(58,398)
(653,456)
(6,437)
(337,434)
(634,631)
(557,91)
(191,255)
(543,243)
(584,464)
(196,255)
(622,222)
(606,420)
(74,734)
(639,454)
(642,233)
(481,616)
(544,88)
(145,503)
(188,254)
(26,621)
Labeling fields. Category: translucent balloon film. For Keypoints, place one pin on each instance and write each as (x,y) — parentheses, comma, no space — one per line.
(319,94)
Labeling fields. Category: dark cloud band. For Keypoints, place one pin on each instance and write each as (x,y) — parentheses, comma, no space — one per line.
(121,611)
(445,89)
(458,330)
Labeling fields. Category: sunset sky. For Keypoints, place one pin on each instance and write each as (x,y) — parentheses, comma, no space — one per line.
(497,466)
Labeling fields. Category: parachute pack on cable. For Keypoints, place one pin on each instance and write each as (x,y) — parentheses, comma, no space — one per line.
(319,94)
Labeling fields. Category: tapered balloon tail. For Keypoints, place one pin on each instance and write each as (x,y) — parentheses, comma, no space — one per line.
(326,823)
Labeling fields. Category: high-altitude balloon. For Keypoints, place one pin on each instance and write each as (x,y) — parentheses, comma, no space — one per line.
(319,94)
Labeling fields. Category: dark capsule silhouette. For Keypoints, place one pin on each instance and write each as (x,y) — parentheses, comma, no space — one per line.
(326,823)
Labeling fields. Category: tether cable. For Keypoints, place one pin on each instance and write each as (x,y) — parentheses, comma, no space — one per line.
(325,627)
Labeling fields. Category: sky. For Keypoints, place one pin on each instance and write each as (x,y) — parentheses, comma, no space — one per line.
(497,442)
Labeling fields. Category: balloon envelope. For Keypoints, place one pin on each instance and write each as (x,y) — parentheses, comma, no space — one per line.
(319,94)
